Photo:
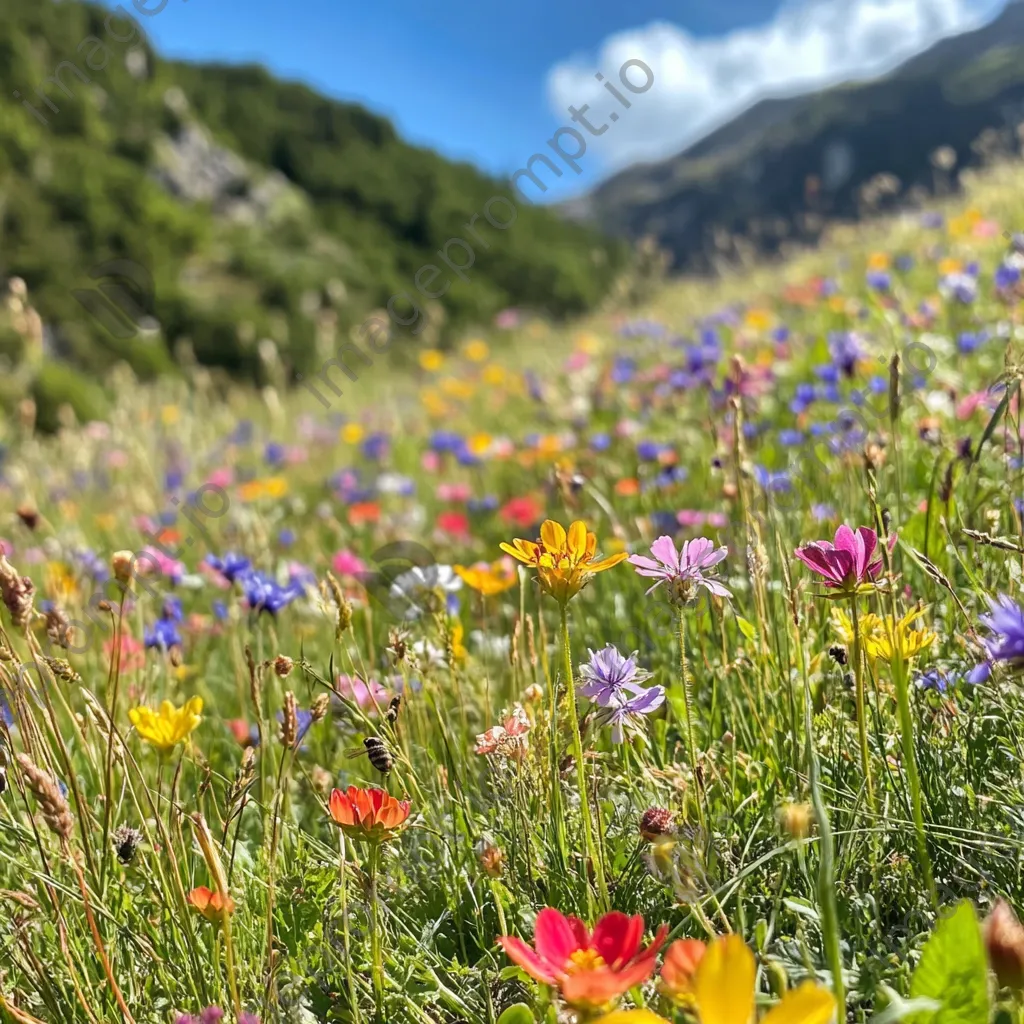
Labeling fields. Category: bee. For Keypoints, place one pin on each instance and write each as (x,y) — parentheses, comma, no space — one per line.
(374,748)
(393,708)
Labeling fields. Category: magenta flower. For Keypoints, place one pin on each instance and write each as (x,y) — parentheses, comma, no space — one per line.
(853,560)
(684,570)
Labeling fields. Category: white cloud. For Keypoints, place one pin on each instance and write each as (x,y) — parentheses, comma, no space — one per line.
(701,82)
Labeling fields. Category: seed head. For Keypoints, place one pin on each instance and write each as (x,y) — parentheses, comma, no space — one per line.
(52,803)
(656,822)
(318,709)
(16,592)
(283,666)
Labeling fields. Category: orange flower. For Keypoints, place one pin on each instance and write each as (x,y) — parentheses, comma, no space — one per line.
(564,561)
(211,904)
(682,959)
(370,814)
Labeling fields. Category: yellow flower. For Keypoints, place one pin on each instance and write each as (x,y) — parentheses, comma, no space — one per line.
(272,487)
(477,351)
(352,433)
(890,639)
(870,626)
(564,561)
(459,651)
(60,582)
(487,579)
(478,444)
(170,414)
(166,728)
(431,360)
(494,375)
(758,319)
(723,988)
(879,261)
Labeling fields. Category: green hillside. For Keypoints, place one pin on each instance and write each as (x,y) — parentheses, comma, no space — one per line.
(259,208)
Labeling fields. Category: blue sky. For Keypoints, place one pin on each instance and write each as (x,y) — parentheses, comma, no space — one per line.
(489,82)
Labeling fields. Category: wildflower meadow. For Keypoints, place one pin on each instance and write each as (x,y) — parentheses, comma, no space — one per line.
(663,666)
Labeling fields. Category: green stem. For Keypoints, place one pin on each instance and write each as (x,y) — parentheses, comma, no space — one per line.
(581,773)
(691,742)
(375,946)
(862,718)
(899,678)
(827,906)
(345,938)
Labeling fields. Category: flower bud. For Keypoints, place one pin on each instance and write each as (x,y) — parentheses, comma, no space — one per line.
(795,820)
(121,564)
(1004,942)
(492,860)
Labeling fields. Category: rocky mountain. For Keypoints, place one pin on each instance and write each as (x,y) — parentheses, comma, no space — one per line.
(159,210)
(782,169)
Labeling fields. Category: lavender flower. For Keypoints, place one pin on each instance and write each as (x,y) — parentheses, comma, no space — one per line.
(683,570)
(1006,622)
(625,713)
(613,683)
(608,675)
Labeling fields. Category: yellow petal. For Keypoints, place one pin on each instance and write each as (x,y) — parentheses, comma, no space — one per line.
(577,540)
(724,983)
(516,553)
(808,1004)
(552,536)
(607,563)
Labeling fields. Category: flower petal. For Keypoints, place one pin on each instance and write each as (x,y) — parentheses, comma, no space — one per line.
(553,536)
(723,984)
(808,1004)
(554,938)
(520,954)
(617,937)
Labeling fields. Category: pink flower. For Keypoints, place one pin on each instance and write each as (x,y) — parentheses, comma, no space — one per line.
(223,477)
(169,567)
(368,695)
(848,563)
(454,492)
(683,570)
(508,740)
(133,654)
(345,563)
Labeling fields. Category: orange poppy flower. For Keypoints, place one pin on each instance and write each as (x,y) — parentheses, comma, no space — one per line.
(210,904)
(682,959)
(370,814)
(564,560)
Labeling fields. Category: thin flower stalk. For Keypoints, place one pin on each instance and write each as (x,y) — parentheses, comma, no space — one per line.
(593,853)
(861,701)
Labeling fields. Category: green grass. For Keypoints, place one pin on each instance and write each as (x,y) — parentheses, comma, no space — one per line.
(852,884)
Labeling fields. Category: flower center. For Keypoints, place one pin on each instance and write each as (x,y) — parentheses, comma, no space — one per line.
(584,960)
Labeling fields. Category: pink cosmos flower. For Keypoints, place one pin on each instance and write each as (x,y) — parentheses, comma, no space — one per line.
(683,570)
(167,566)
(345,563)
(849,562)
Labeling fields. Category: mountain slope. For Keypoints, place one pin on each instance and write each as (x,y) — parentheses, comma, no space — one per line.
(258,208)
(783,167)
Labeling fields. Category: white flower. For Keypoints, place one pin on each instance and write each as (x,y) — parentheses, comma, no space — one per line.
(424,588)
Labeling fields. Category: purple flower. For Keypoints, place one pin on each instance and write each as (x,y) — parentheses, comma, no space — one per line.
(608,675)
(266,595)
(848,563)
(683,570)
(231,566)
(1006,620)
(624,712)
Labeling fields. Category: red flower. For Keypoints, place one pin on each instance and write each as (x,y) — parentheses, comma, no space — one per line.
(210,904)
(454,523)
(522,512)
(590,970)
(370,814)
(682,959)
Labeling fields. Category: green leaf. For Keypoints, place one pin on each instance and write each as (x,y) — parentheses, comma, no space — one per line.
(746,628)
(518,1013)
(953,971)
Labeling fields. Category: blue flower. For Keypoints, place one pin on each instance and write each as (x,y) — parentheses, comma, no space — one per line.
(790,437)
(163,634)
(274,453)
(231,566)
(286,537)
(266,595)
(600,442)
(628,711)
(303,720)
